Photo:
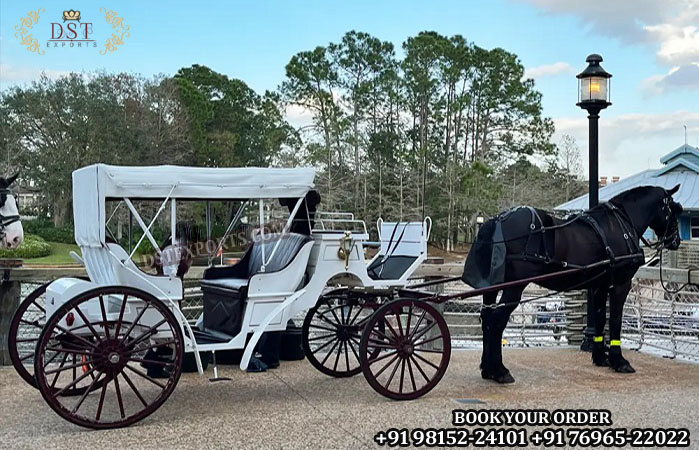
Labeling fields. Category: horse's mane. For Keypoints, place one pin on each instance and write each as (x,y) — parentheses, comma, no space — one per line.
(633,194)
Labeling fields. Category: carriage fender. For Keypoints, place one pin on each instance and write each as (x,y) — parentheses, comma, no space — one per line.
(62,290)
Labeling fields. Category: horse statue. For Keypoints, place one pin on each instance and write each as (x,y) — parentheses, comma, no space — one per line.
(11,232)
(603,241)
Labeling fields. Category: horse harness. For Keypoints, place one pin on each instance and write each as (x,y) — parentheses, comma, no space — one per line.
(6,221)
(544,254)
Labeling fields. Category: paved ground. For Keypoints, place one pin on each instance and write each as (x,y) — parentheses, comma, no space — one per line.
(296,407)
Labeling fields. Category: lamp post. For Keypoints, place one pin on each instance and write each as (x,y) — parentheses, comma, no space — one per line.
(593,96)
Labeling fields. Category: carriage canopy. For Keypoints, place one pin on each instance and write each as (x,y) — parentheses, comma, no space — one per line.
(92,185)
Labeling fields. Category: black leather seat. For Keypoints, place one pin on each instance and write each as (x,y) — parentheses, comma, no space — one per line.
(225,288)
(390,268)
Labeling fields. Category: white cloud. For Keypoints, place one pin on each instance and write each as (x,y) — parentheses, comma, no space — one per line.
(548,70)
(630,143)
(670,26)
(678,44)
(298,116)
(681,77)
(12,75)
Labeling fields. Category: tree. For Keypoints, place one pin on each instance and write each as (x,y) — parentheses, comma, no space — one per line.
(570,161)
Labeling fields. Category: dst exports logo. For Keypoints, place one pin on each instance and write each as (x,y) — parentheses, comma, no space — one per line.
(72,31)
(75,33)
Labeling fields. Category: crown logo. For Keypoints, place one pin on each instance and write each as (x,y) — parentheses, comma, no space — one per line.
(71,15)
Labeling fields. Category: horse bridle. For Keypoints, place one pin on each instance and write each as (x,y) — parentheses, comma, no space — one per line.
(6,221)
(666,239)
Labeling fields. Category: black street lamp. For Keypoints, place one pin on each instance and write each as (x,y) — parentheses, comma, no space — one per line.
(593,96)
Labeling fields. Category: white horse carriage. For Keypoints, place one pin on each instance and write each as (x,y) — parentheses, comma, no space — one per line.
(98,335)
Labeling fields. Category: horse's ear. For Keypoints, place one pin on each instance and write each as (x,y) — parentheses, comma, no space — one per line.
(673,190)
(11,180)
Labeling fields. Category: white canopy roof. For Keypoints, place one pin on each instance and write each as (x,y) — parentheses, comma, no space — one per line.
(93,184)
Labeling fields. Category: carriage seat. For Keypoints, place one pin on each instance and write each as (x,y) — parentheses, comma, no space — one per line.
(236,277)
(225,288)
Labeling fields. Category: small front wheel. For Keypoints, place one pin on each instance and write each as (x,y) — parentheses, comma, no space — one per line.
(411,355)
(125,341)
(332,330)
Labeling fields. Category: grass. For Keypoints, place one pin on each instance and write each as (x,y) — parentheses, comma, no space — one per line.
(59,255)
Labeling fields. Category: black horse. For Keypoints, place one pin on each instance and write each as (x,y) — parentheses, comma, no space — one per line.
(602,242)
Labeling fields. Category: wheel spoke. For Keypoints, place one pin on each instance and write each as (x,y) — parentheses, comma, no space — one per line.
(121,316)
(324,345)
(101,401)
(68,350)
(384,356)
(140,349)
(412,376)
(356,355)
(133,324)
(432,339)
(133,388)
(337,358)
(74,382)
(104,318)
(347,356)
(386,366)
(31,324)
(426,361)
(152,330)
(55,378)
(332,350)
(417,326)
(138,372)
(407,326)
(390,378)
(324,328)
(24,358)
(118,395)
(425,350)
(87,322)
(402,375)
(325,336)
(62,368)
(87,391)
(423,332)
(85,341)
(422,372)
(152,361)
(39,306)
(398,324)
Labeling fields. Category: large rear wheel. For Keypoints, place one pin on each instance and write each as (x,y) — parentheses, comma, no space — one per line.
(126,341)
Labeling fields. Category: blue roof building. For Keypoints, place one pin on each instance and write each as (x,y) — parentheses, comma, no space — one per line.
(680,166)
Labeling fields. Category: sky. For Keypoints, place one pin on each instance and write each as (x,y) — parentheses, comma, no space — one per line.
(651,47)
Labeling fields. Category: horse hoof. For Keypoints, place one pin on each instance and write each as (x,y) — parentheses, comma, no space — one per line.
(625,368)
(601,362)
(505,378)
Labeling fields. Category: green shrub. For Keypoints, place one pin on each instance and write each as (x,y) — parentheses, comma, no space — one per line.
(32,247)
(46,230)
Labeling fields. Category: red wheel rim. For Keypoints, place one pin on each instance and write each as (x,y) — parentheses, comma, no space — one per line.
(127,336)
(413,351)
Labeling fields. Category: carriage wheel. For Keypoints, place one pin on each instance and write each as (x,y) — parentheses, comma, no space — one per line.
(332,331)
(127,341)
(25,328)
(413,352)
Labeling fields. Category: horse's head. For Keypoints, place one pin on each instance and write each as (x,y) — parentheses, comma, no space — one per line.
(665,222)
(11,232)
